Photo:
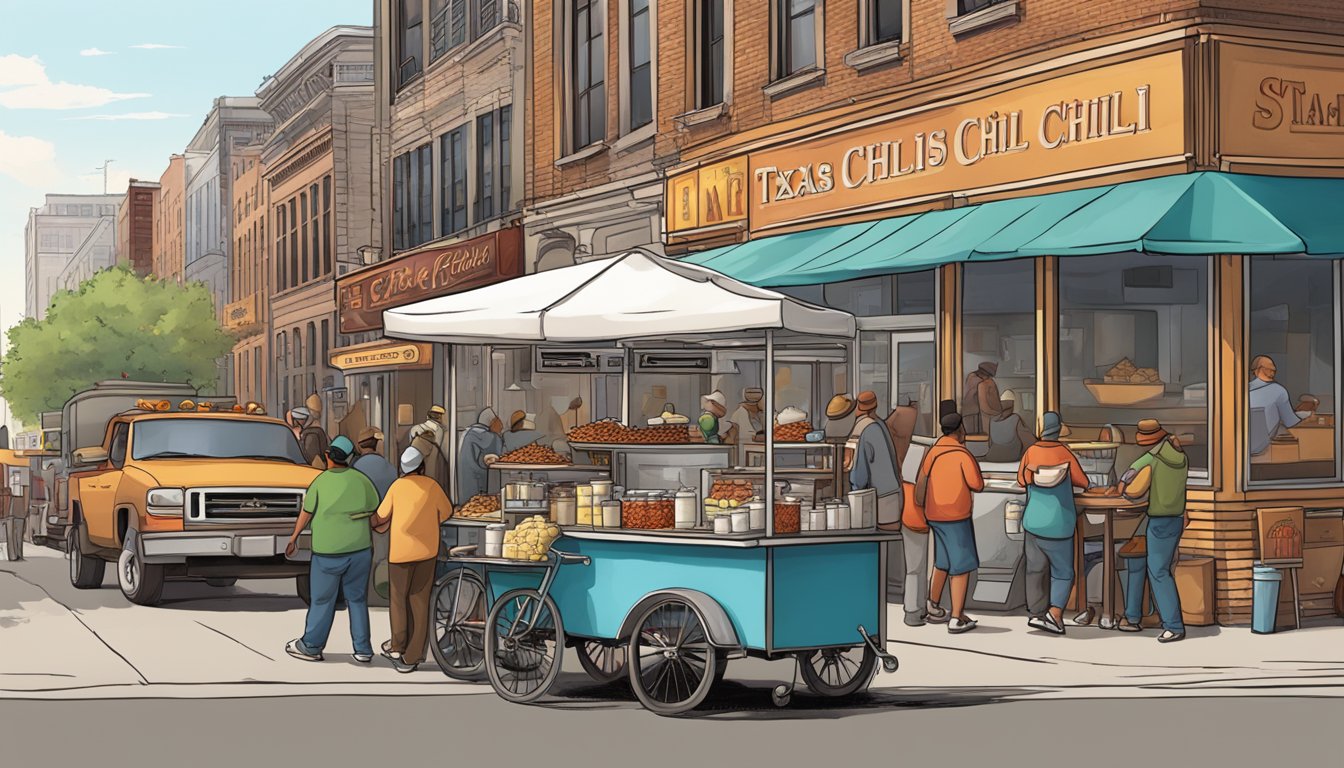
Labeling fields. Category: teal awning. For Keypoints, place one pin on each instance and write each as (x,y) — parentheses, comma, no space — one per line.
(1191,214)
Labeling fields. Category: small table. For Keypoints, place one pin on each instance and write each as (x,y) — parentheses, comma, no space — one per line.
(1112,507)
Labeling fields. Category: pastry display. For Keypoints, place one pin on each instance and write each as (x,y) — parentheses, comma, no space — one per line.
(1125,372)
(533,454)
(479,507)
(792,433)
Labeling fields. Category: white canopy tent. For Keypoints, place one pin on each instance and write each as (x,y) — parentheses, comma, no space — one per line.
(635,295)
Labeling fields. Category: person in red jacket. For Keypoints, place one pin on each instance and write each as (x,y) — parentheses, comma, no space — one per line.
(953,476)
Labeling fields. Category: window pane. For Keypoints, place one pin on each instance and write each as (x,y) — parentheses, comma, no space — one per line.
(865,298)
(505,158)
(802,43)
(438,28)
(641,97)
(425,210)
(326,225)
(916,363)
(1292,405)
(489,16)
(998,357)
(411,39)
(885,21)
(639,38)
(458,24)
(485,172)
(915,292)
(597,114)
(1134,344)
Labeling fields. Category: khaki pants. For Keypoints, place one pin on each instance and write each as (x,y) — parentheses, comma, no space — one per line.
(411,586)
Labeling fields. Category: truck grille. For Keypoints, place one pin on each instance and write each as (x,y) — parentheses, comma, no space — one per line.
(245,505)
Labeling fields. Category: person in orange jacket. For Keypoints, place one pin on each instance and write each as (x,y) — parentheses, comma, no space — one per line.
(953,476)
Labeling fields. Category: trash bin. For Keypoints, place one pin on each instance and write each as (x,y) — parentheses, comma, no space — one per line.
(1264,598)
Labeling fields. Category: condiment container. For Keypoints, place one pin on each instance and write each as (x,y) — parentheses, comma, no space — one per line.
(494,540)
(1012,516)
(741,522)
(564,506)
(756,510)
(611,514)
(842,516)
(788,515)
(601,489)
(818,521)
(687,508)
(583,511)
(722,524)
(805,520)
(833,516)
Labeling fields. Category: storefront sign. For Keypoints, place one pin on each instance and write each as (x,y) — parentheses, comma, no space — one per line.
(1110,116)
(241,313)
(362,296)
(1281,104)
(382,355)
(715,194)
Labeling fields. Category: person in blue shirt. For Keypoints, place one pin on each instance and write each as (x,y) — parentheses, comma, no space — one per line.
(1276,408)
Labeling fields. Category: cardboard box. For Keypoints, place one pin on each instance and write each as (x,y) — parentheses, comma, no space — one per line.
(1279,533)
(1324,527)
(1321,568)
(1195,585)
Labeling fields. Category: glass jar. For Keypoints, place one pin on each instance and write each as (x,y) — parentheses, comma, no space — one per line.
(564,505)
(648,510)
(687,508)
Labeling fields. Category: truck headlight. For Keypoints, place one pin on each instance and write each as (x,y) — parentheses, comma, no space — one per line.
(165,502)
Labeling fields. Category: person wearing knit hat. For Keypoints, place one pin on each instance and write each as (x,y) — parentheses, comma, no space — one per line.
(1050,472)
(952,477)
(480,446)
(337,505)
(980,400)
(1170,468)
(411,513)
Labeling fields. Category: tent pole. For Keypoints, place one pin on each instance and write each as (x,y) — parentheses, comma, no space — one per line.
(625,386)
(769,433)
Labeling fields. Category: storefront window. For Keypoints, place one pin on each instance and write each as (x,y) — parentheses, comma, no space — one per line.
(998,374)
(541,406)
(1134,344)
(1292,378)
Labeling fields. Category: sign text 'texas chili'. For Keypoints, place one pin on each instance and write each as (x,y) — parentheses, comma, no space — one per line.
(362,296)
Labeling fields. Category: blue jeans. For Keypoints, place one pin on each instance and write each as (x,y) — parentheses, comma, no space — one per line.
(349,574)
(1052,557)
(1164,534)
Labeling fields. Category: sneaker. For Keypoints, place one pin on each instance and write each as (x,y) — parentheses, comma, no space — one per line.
(297,649)
(1052,626)
(401,666)
(387,647)
(364,658)
(935,614)
(1168,636)
(1038,622)
(914,620)
(964,624)
(1126,626)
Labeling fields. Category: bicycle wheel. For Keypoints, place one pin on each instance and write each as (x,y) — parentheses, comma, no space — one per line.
(459,625)
(524,645)
(604,662)
(834,672)
(672,664)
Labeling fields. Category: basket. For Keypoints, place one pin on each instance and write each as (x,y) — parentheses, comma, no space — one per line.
(1123,394)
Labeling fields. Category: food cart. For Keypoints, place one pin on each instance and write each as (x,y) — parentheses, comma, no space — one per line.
(662,598)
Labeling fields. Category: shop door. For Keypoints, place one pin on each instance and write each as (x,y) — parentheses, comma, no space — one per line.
(914,365)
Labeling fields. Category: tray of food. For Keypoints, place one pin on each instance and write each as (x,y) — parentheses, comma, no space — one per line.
(1126,384)
(611,432)
(533,454)
(480,507)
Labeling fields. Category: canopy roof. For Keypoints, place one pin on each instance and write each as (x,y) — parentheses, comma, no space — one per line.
(1197,213)
(636,295)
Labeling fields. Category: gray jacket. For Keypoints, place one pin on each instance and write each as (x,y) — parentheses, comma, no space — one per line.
(875,461)
(472,475)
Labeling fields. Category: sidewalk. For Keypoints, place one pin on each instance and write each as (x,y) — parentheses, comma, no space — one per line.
(1004,653)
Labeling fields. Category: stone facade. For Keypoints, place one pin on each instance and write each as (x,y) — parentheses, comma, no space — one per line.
(135,226)
(52,237)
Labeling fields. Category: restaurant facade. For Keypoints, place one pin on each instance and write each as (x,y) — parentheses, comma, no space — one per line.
(1116,229)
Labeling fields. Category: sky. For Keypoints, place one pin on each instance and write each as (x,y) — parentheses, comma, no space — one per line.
(86,81)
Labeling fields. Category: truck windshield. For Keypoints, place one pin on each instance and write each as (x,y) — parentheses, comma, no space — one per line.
(214,439)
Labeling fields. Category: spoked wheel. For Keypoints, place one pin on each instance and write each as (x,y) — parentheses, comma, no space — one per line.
(524,644)
(459,625)
(672,664)
(837,672)
(603,662)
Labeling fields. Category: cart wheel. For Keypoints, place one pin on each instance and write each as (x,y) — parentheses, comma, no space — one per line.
(672,664)
(781,695)
(890,664)
(524,645)
(839,671)
(603,662)
(459,624)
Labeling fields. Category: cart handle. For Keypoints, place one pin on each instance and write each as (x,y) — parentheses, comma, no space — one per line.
(463,551)
(565,557)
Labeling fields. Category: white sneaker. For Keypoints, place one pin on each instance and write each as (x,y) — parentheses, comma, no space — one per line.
(295,648)
(363,658)
(958,626)
(934,613)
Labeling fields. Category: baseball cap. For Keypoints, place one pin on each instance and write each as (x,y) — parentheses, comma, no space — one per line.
(341,448)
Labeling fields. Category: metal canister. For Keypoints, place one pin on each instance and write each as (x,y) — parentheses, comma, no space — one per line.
(564,505)
(687,508)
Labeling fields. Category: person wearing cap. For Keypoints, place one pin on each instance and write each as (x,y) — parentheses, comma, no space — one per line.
(312,438)
(370,462)
(522,431)
(749,418)
(337,505)
(712,426)
(953,476)
(411,513)
(1008,433)
(432,428)
(1049,471)
(481,444)
(839,417)
(1170,469)
(980,400)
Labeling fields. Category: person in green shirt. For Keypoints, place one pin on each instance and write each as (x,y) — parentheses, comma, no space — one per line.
(715,407)
(1170,469)
(338,504)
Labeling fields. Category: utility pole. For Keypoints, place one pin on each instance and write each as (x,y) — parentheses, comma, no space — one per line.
(103,168)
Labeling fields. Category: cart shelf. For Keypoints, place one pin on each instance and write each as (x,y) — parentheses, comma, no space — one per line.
(737,540)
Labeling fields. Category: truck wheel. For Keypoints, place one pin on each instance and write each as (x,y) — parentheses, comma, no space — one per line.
(141,583)
(221,582)
(85,572)
(303,587)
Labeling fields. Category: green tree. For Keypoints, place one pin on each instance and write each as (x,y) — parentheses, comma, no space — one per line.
(117,325)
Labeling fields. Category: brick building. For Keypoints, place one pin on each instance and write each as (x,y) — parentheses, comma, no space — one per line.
(135,226)
(249,282)
(1046,187)
(170,249)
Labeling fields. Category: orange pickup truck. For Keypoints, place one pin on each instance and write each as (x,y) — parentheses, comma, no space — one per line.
(188,495)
